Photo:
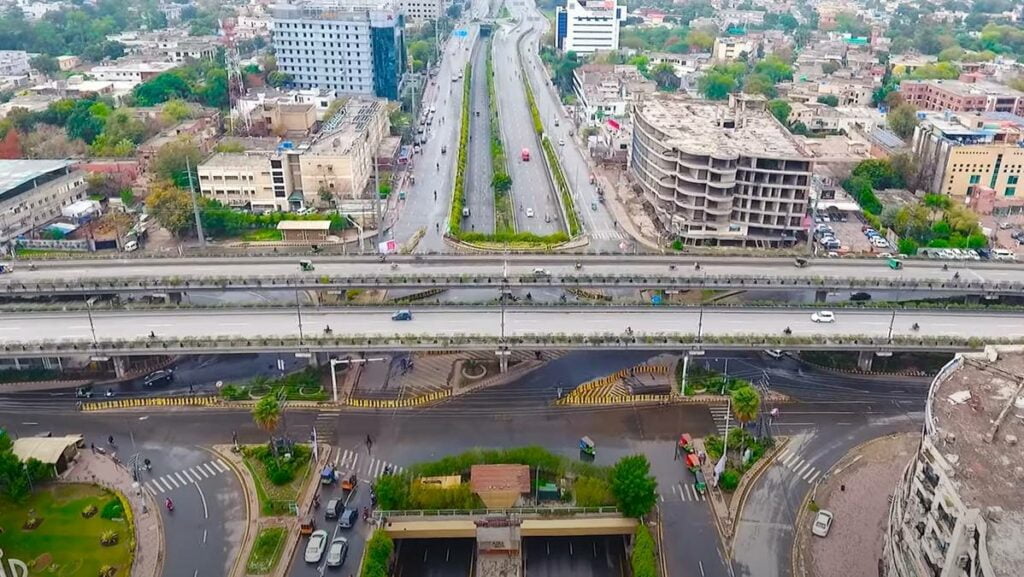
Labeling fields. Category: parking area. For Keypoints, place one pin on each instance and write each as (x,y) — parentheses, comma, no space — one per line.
(847,234)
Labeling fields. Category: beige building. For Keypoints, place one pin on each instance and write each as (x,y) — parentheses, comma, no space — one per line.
(717,173)
(288,119)
(958,510)
(733,48)
(958,152)
(335,167)
(33,192)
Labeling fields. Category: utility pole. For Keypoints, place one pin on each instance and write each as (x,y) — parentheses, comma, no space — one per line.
(298,313)
(92,327)
(195,204)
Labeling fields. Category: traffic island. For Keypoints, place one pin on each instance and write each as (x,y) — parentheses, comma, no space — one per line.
(857,492)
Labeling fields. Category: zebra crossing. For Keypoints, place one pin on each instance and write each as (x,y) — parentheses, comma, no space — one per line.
(687,493)
(606,235)
(720,415)
(364,467)
(188,476)
(798,466)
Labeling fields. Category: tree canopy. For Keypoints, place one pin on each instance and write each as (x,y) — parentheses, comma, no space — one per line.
(634,487)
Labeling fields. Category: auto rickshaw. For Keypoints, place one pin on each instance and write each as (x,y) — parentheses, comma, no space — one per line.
(306,265)
(699,484)
(587,447)
(895,264)
(349,484)
(800,262)
(307,526)
(328,476)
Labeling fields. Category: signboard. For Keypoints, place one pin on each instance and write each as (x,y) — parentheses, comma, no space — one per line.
(462,33)
(388,247)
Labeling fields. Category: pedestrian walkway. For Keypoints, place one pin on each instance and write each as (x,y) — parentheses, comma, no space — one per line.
(90,467)
(790,460)
(188,476)
(606,235)
(365,467)
(720,415)
(686,493)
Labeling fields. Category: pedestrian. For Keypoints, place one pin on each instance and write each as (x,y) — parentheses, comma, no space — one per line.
(92,447)
(842,488)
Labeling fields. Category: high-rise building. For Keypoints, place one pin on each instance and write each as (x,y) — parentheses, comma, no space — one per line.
(958,153)
(350,46)
(587,26)
(717,173)
(958,510)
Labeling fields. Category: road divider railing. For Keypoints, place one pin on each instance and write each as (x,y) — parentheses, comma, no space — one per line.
(191,401)
(410,402)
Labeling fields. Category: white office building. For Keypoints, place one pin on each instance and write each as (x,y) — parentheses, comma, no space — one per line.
(421,10)
(588,26)
(349,46)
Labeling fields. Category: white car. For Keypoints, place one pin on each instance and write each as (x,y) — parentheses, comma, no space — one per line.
(823,317)
(822,523)
(338,552)
(316,545)
(561,142)
(529,213)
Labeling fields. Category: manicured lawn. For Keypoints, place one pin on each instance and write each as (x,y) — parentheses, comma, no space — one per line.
(262,235)
(266,551)
(275,499)
(65,544)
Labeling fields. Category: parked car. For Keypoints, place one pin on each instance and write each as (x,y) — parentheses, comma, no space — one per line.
(1003,254)
(773,353)
(316,545)
(823,317)
(338,552)
(822,523)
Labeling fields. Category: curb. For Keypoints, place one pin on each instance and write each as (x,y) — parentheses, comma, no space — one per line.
(767,463)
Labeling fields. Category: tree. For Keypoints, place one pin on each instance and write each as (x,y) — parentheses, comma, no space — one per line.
(501,181)
(781,110)
(829,100)
(664,75)
(392,492)
(634,487)
(266,414)
(745,404)
(214,92)
(164,87)
(10,145)
(278,79)
(641,61)
(903,120)
(17,477)
(907,168)
(716,85)
(174,111)
(829,67)
(171,161)
(46,64)
(48,141)
(939,70)
(700,39)
(879,172)
(171,207)
(759,84)
(774,68)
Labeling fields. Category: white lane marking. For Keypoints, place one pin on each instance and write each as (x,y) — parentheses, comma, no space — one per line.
(183,482)
(808,473)
(151,491)
(156,483)
(814,478)
(189,477)
(210,469)
(221,465)
(200,473)
(206,512)
(786,456)
(167,478)
(802,469)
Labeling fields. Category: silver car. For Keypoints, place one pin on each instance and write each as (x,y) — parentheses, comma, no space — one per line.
(316,545)
(338,552)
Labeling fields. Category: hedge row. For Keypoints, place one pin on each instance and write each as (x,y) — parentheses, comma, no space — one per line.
(501,181)
(379,549)
(459,194)
(563,186)
(643,560)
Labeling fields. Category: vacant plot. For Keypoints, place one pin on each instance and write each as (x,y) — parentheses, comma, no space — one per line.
(68,529)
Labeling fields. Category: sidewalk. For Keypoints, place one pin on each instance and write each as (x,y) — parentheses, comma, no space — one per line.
(92,467)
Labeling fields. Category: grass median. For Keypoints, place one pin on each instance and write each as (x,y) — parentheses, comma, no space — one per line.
(279,479)
(266,551)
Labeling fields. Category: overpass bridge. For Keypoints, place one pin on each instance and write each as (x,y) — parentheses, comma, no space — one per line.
(303,331)
(533,525)
(178,275)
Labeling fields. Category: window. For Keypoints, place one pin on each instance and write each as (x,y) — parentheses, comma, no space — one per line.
(1012,179)
(975,178)
(1010,191)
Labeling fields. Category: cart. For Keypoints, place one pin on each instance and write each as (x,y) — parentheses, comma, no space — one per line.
(587,447)
(895,264)
(306,265)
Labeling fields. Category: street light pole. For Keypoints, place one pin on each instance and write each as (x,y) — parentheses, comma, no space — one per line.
(92,327)
(298,313)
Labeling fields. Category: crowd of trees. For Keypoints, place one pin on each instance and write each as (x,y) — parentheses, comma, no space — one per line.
(724,79)
(18,478)
(205,82)
(679,40)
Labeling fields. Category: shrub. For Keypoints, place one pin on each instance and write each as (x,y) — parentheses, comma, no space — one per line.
(89,511)
(642,559)
(107,571)
(729,480)
(109,538)
(234,393)
(427,497)
(392,493)
(379,549)
(714,446)
(591,492)
(113,509)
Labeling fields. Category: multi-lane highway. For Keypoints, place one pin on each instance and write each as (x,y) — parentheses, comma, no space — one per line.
(487,322)
(975,277)
(478,194)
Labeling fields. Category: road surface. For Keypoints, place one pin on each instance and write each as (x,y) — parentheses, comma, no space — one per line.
(487,322)
(479,194)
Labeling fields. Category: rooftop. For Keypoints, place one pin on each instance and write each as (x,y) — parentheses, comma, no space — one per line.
(701,126)
(499,478)
(978,437)
(14,173)
(304,225)
(236,160)
(977,88)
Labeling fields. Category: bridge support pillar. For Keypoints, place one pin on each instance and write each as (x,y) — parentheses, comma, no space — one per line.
(972,299)
(120,367)
(319,359)
(503,355)
(865,360)
(820,296)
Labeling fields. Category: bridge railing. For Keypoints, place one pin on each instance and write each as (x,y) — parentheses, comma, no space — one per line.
(553,511)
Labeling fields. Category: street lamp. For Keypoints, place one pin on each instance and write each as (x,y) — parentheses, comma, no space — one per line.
(92,327)
(298,313)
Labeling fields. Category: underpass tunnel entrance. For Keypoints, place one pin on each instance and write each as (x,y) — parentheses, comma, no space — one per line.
(434,557)
(597,556)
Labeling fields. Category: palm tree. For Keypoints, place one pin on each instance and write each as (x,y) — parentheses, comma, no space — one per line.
(267,415)
(745,404)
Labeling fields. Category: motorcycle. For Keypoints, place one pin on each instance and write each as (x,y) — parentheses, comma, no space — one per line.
(169,504)
(788,331)
(916,327)
(671,267)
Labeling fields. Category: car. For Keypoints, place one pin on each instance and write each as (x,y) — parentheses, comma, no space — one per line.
(1005,226)
(822,523)
(856,297)
(161,377)
(402,315)
(983,253)
(529,213)
(348,518)
(823,317)
(540,272)
(884,255)
(331,511)
(315,546)
(832,254)
(1003,254)
(773,353)
(561,142)
(338,552)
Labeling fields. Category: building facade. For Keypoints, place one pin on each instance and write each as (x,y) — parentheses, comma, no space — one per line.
(959,152)
(588,26)
(14,63)
(719,174)
(33,192)
(421,10)
(733,48)
(964,95)
(958,511)
(607,91)
(349,46)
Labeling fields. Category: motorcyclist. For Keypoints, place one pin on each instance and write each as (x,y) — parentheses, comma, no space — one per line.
(916,327)
(788,331)
(169,504)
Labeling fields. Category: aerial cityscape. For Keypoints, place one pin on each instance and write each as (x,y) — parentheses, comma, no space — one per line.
(511,288)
